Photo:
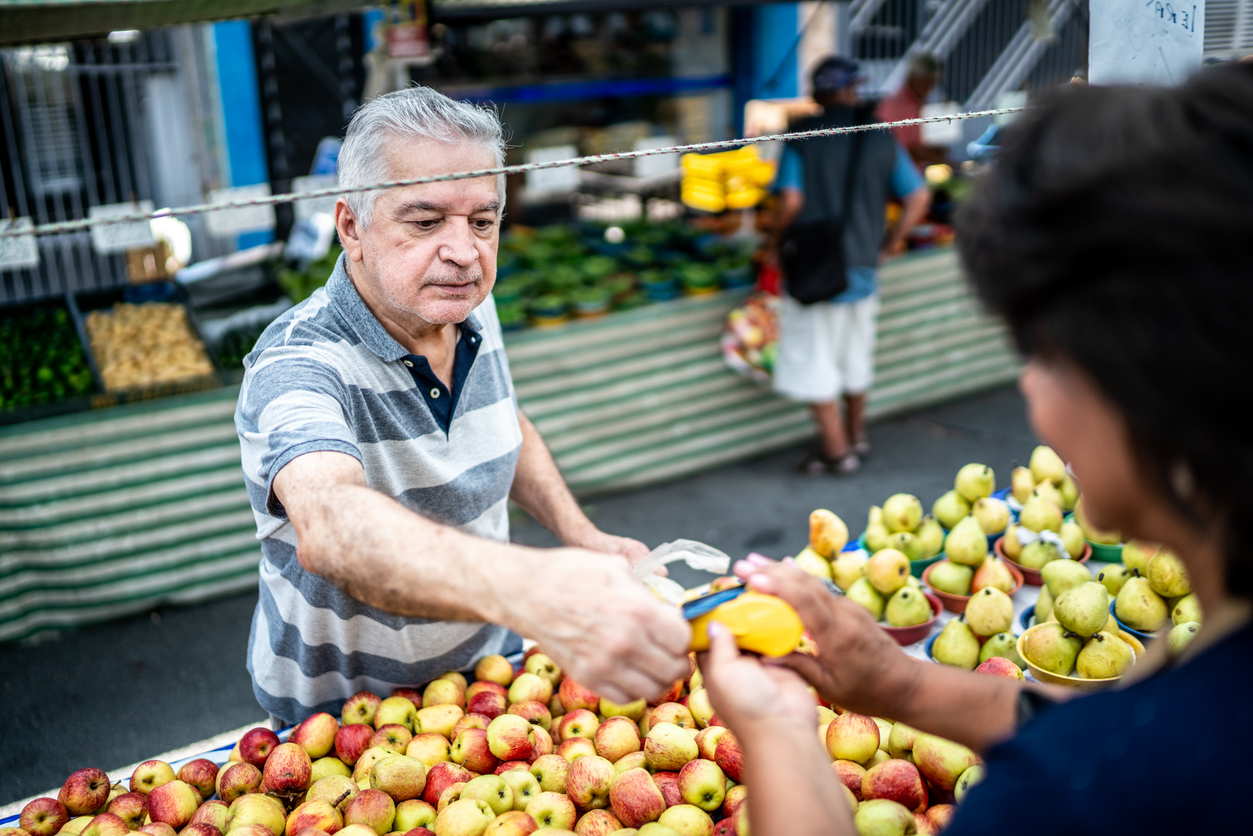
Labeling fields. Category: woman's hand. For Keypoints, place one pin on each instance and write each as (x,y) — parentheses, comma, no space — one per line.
(744,691)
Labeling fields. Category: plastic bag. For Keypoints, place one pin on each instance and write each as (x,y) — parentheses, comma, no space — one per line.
(695,554)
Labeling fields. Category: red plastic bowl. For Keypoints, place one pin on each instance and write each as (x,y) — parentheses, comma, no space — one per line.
(957,603)
(1032,576)
(916,632)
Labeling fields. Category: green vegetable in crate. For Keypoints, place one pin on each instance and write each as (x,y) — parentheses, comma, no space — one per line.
(41,360)
(599,266)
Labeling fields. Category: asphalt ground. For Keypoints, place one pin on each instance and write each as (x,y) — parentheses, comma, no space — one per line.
(121,692)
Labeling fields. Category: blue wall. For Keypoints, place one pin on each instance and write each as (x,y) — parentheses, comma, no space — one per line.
(241,112)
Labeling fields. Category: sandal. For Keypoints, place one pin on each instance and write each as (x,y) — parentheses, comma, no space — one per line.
(862,447)
(817,464)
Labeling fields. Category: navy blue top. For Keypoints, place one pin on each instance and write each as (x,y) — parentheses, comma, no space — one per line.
(1166,755)
(442,402)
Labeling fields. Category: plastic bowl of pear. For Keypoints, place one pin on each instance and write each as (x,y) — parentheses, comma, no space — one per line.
(947,580)
(1040,514)
(1154,592)
(985,629)
(900,524)
(974,496)
(1106,546)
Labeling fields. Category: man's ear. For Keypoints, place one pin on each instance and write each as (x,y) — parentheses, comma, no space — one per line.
(349,230)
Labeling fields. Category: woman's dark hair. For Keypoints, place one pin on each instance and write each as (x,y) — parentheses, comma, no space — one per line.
(1115,231)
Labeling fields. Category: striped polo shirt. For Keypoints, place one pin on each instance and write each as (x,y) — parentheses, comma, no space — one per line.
(327,376)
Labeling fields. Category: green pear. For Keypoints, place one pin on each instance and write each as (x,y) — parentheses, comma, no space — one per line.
(1094,535)
(1040,513)
(950,508)
(1060,575)
(1004,645)
(1046,465)
(1010,545)
(1083,609)
(993,572)
(966,543)
(876,537)
(1113,577)
(990,611)
(1049,646)
(1188,608)
(1181,634)
(1021,484)
(810,562)
(1049,491)
(950,577)
(847,568)
(1168,576)
(931,537)
(992,514)
(975,481)
(1139,607)
(907,607)
(1070,493)
(861,592)
(914,582)
(1043,606)
(968,779)
(887,570)
(1104,656)
(1039,554)
(902,512)
(1072,538)
(875,516)
(957,646)
(1137,554)
(907,543)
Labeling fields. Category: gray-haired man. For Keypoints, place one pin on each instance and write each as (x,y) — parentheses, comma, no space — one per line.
(382,440)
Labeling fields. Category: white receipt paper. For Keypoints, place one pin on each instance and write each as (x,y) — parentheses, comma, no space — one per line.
(1145,41)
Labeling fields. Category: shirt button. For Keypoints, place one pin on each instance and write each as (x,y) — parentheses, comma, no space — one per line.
(434,393)
(409,364)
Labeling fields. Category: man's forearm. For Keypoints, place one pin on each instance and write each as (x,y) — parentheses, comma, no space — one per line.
(541,491)
(913,211)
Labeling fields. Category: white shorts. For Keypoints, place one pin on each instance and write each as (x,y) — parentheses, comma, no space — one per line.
(825,349)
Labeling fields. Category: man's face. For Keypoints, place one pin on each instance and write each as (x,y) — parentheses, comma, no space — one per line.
(430,250)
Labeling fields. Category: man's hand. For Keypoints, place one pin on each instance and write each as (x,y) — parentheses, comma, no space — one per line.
(606,629)
(598,541)
(744,691)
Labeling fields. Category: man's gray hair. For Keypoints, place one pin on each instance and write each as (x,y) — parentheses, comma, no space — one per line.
(418,113)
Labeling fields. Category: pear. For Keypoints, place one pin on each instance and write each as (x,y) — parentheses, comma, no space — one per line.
(1111,626)
(950,508)
(1181,634)
(993,572)
(1072,539)
(931,537)
(1009,543)
(1168,576)
(966,543)
(847,568)
(913,582)
(1004,645)
(907,543)
(827,533)
(1113,577)
(861,592)
(1039,554)
(1188,608)
(990,611)
(1139,607)
(1047,466)
(975,481)
(887,570)
(1103,657)
(810,562)
(992,514)
(957,646)
(1094,535)
(907,607)
(1043,605)
(875,517)
(1039,513)
(950,577)
(1083,609)
(1051,648)
(902,512)
(1021,484)
(1061,575)
(876,537)
(1137,554)
(1047,490)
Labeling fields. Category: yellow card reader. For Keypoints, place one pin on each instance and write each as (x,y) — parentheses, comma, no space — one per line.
(760,623)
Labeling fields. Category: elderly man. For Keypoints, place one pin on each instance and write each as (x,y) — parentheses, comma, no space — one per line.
(382,441)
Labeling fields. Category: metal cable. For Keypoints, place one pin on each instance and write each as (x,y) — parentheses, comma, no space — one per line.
(699,147)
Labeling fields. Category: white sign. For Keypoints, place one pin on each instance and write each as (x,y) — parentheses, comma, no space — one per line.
(1145,41)
(312,206)
(564,179)
(655,166)
(116,238)
(244,219)
(940,133)
(20,251)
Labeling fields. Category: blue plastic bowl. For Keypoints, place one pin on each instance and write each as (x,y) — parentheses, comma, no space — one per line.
(1027,619)
(1143,637)
(1003,495)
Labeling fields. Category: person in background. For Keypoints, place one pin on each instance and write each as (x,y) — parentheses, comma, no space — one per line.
(1111,235)
(826,350)
(907,102)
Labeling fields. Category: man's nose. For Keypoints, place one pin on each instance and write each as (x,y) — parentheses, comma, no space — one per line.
(458,244)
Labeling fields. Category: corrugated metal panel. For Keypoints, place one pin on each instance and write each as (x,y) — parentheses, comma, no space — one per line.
(108,513)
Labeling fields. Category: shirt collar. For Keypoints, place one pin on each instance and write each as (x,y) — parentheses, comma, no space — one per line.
(343,294)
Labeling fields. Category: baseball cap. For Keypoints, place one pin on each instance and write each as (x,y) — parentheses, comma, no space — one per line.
(834,74)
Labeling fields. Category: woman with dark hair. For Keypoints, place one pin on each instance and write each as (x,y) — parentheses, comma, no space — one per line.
(1114,235)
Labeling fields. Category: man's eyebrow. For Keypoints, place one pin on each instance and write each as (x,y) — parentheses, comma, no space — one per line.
(426,206)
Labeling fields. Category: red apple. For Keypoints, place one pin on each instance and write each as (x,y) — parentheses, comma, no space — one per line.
(850,775)
(437,719)
(398,710)
(543,744)
(673,713)
(444,692)
(729,756)
(510,737)
(707,741)
(488,703)
(508,766)
(552,809)
(535,713)
(355,830)
(631,710)
(319,814)
(512,823)
(668,783)
(392,736)
(723,828)
(897,780)
(588,782)
(924,826)
(253,830)
(106,824)
(158,828)
(450,794)
(454,676)
(149,775)
(256,745)
(373,808)
(400,777)
(941,814)
(555,707)
(360,708)
(85,791)
(352,740)
(132,808)
(578,722)
(734,798)
(429,748)
(1000,666)
(852,737)
(469,721)
(480,685)
(337,789)
(575,748)
(573,695)
(494,669)
(635,799)
(316,735)
(412,694)
(703,784)
(288,770)
(238,779)
(200,829)
(213,812)
(413,813)
(597,823)
(544,666)
(173,803)
(371,756)
(43,817)
(671,694)
(668,747)
(688,820)
(470,749)
(551,772)
(202,774)
(441,776)
(530,686)
(615,737)
(942,761)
